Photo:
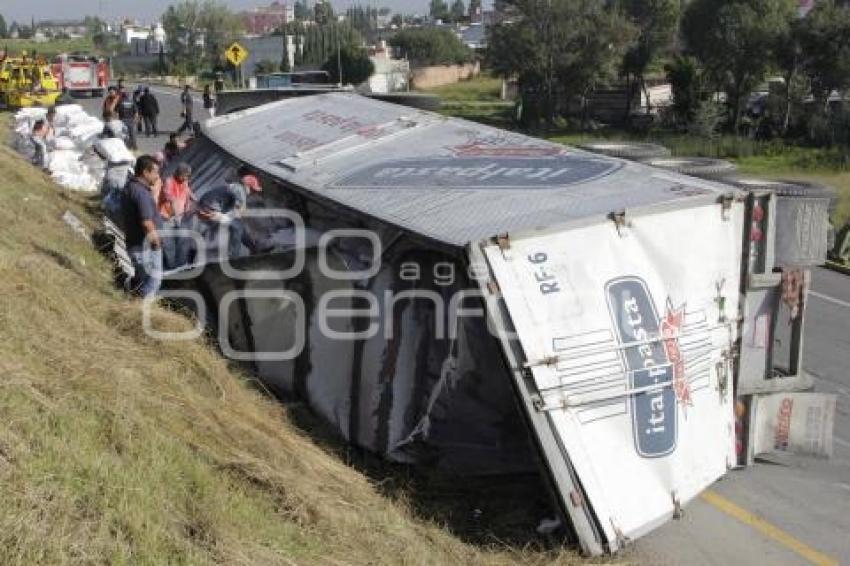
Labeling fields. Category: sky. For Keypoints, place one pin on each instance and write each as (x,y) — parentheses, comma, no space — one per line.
(149,10)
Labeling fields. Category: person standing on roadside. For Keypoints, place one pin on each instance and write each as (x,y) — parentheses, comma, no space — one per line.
(149,109)
(187,104)
(128,115)
(142,224)
(137,95)
(110,102)
(209,100)
(38,137)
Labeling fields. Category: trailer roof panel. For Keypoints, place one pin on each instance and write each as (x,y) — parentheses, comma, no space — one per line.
(444,178)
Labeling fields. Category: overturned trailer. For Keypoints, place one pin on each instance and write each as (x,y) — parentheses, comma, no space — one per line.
(445,292)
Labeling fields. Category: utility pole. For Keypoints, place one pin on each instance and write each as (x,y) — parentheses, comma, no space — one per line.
(339,62)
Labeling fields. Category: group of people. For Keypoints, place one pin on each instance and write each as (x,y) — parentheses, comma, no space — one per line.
(139,112)
(153,209)
(130,113)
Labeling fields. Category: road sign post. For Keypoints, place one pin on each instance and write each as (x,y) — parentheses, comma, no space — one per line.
(236,55)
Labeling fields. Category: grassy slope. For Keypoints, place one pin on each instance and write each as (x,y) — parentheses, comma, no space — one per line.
(119,448)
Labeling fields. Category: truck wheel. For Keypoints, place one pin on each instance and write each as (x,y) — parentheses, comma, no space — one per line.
(695,166)
(627,150)
(804,234)
(785,188)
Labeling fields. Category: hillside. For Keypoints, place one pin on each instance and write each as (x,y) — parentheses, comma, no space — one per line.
(118,448)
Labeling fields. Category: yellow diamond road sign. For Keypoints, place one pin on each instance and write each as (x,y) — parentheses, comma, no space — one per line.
(236,54)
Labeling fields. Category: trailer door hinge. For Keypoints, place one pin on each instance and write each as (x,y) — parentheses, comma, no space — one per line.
(678,513)
(726,206)
(620,222)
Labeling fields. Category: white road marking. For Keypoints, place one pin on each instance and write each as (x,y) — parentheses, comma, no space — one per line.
(166,92)
(829,299)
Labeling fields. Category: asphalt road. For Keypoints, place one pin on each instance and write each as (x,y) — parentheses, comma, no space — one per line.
(796,512)
(169,118)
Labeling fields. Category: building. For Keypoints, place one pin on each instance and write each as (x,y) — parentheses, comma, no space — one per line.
(144,41)
(391,75)
(262,51)
(63,28)
(473,36)
(131,32)
(267,19)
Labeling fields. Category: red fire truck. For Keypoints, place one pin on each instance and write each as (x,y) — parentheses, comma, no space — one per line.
(82,74)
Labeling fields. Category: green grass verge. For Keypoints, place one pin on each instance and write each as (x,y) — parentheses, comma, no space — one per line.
(47,48)
(479,89)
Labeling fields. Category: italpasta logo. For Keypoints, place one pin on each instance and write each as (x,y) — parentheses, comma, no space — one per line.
(649,349)
(505,169)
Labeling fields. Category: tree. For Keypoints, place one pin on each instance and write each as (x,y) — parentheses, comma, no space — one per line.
(355,65)
(221,27)
(302,11)
(685,78)
(431,46)
(397,20)
(656,21)
(323,12)
(458,11)
(182,25)
(559,51)
(787,54)
(732,39)
(266,66)
(438,10)
(198,32)
(320,42)
(94,26)
(824,40)
(4,29)
(475,10)
(364,20)
(284,61)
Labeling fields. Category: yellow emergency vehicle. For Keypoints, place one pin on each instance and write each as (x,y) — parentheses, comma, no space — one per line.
(27,82)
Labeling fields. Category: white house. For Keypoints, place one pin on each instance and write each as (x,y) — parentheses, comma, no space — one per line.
(130,32)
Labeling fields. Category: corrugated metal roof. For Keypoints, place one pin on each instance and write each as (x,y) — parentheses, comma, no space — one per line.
(444,178)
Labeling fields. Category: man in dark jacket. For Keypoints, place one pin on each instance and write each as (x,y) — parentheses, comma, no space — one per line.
(137,95)
(142,224)
(149,109)
(187,104)
(127,114)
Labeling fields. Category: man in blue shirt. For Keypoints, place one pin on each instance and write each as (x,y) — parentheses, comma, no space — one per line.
(142,224)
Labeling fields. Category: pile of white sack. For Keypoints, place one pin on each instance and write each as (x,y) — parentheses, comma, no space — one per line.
(79,159)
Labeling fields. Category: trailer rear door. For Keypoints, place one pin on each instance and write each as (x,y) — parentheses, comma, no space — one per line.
(621,336)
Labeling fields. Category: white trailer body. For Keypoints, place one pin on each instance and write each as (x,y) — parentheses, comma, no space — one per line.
(617,294)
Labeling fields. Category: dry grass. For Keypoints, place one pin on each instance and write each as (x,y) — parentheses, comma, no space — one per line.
(118,448)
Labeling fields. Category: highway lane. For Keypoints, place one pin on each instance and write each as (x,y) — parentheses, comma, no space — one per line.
(803,500)
(169,117)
